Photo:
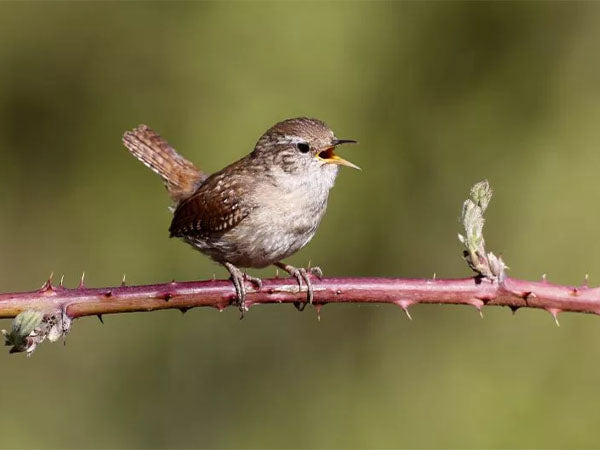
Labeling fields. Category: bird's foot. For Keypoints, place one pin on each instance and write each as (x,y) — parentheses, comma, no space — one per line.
(257,282)
(238,278)
(316,271)
(302,275)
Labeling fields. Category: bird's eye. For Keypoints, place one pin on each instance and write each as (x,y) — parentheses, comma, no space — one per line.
(303,147)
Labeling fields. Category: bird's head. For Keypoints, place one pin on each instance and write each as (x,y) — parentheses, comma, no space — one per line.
(302,146)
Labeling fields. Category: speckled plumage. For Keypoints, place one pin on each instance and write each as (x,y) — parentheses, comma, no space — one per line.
(264,207)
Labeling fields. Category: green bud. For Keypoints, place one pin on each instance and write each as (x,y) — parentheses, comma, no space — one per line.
(485,264)
(23,327)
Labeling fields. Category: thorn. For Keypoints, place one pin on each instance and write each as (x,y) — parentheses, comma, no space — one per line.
(544,279)
(308,267)
(62,279)
(554,313)
(183,310)
(108,294)
(47,286)
(575,292)
(123,283)
(478,304)
(99,316)
(82,281)
(514,308)
(434,275)
(404,304)
(168,296)
(214,277)
(276,273)
(586,280)
(173,281)
(318,307)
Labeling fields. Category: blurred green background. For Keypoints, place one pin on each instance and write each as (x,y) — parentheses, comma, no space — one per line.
(440,95)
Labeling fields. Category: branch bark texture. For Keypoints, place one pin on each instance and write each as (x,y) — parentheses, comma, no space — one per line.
(219,294)
(48,312)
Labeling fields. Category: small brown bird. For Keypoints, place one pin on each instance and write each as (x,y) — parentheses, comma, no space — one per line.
(258,210)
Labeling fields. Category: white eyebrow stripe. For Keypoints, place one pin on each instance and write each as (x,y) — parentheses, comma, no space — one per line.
(290,140)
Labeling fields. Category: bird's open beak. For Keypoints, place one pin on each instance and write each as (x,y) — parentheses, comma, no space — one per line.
(328,154)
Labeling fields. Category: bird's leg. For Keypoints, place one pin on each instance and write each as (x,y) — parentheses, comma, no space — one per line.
(302,274)
(237,278)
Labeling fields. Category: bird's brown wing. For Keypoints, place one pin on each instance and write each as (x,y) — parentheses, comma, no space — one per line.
(220,204)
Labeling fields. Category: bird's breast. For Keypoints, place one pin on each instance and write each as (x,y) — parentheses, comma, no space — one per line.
(283,219)
(281,223)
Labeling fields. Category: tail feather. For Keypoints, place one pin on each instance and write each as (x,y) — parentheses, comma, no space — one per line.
(181,177)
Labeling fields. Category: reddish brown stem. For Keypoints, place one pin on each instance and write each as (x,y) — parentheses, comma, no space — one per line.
(83,301)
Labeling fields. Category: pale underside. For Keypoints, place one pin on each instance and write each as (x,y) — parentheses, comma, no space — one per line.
(260,223)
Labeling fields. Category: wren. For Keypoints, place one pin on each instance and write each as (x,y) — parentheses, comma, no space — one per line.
(258,210)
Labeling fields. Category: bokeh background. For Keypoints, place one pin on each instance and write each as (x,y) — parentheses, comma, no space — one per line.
(440,95)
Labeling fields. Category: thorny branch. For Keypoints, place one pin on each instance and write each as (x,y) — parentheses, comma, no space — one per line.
(48,312)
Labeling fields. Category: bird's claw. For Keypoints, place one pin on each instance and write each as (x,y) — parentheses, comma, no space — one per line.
(303,275)
(316,271)
(257,282)
(238,278)
(240,292)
